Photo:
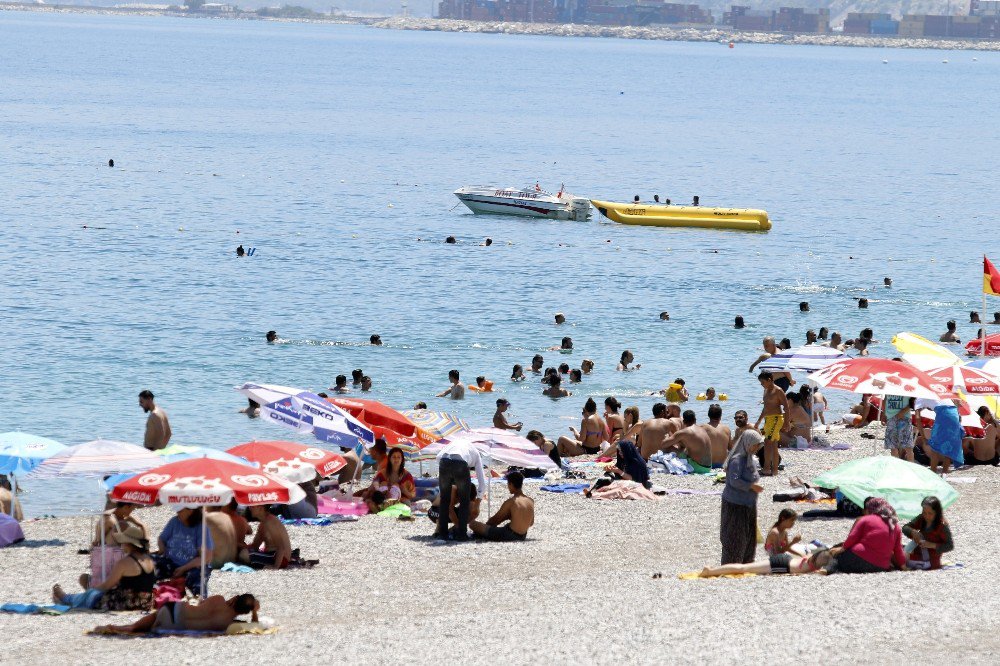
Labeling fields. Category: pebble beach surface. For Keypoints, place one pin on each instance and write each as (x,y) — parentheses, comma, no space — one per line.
(579,590)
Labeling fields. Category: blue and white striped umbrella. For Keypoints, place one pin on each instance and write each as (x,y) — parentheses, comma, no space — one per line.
(308,413)
(803,359)
(986,364)
(21,452)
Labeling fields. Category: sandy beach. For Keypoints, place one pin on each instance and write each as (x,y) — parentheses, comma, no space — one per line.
(581,589)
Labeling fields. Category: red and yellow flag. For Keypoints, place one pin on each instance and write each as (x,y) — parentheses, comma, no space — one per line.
(991,278)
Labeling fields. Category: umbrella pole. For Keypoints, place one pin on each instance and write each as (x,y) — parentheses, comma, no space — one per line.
(983,327)
(13,493)
(204,529)
(104,559)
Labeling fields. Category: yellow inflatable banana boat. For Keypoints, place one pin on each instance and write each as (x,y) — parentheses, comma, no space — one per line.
(701,217)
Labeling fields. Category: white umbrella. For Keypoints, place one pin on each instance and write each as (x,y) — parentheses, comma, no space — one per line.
(807,358)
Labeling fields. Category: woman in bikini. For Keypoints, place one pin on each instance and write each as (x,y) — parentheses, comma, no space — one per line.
(799,420)
(612,419)
(782,563)
(777,539)
(590,437)
(631,425)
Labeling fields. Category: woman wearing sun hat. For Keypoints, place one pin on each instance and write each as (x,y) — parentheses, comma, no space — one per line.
(129,586)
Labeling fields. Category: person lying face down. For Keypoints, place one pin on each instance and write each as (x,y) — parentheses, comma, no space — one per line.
(215,613)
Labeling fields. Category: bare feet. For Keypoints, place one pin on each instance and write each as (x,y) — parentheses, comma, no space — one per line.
(706,573)
(57,594)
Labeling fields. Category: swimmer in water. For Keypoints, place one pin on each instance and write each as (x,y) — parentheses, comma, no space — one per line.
(517,374)
(450,240)
(887,282)
(586,366)
(739,322)
(356,376)
(536,363)
(272,336)
(240,251)
(486,243)
(340,384)
(560,318)
(366,383)
(623,363)
(664,316)
(804,306)
(575,376)
(565,346)
(376,340)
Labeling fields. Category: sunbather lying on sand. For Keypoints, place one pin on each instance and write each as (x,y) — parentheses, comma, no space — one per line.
(782,563)
(215,613)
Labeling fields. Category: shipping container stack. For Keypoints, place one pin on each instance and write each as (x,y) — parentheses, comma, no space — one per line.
(911,26)
(861,24)
(797,19)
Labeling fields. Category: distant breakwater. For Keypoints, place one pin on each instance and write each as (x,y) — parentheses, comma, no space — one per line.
(683,34)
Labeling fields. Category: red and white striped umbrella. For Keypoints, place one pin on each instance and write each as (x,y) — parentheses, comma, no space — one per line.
(971,380)
(291,461)
(206,482)
(881,376)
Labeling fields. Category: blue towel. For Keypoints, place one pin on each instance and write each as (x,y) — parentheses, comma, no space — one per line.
(34,609)
(236,568)
(947,433)
(566,487)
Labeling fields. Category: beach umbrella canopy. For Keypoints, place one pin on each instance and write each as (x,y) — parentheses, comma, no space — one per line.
(438,424)
(903,484)
(100,457)
(922,353)
(807,358)
(880,376)
(975,347)
(307,413)
(386,422)
(206,482)
(21,452)
(503,446)
(178,452)
(986,364)
(290,460)
(967,379)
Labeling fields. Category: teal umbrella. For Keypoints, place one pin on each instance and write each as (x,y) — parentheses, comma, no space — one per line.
(903,484)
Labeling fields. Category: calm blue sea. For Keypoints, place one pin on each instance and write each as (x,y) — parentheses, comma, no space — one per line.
(333,151)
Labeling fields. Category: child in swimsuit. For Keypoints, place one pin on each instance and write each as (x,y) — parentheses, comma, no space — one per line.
(777,542)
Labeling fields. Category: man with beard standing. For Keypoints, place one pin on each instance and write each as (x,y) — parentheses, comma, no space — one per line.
(157,425)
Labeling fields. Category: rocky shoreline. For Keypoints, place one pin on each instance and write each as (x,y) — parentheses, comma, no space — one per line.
(715,34)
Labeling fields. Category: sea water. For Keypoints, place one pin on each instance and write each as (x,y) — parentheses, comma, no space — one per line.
(333,151)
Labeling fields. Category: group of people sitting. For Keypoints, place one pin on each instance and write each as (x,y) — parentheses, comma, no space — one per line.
(124,570)
(873,545)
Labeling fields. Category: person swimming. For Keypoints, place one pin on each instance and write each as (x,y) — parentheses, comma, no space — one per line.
(272,336)
(739,322)
(375,340)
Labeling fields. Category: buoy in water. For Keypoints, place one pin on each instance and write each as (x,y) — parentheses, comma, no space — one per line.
(885,62)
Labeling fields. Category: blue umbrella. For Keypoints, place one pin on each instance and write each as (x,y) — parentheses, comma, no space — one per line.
(21,452)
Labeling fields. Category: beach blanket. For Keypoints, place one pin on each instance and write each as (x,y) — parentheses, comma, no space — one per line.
(629,490)
(694,575)
(671,464)
(319,521)
(34,609)
(832,447)
(235,629)
(684,491)
(399,510)
(566,487)
(232,567)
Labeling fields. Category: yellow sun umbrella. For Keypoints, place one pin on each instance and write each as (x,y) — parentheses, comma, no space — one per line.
(923,354)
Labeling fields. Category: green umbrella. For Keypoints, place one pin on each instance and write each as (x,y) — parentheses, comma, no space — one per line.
(903,484)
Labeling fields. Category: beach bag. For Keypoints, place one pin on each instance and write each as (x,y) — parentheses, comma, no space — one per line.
(110,555)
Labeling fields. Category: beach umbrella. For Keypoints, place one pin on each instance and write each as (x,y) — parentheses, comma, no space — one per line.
(967,379)
(502,446)
(922,353)
(986,364)
(100,457)
(970,422)
(290,460)
(178,452)
(807,358)
(21,452)
(975,347)
(438,424)
(200,482)
(386,422)
(902,483)
(308,413)
(880,376)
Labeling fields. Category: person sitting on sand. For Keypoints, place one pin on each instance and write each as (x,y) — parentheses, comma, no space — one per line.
(983,450)
(799,422)
(547,446)
(241,530)
(874,543)
(456,391)
(654,431)
(626,359)
(518,512)
(271,547)
(774,416)
(589,438)
(225,547)
(629,465)
(612,419)
(555,389)
(214,614)
(180,549)
(391,485)
(931,535)
(950,335)
(517,374)
(9,500)
(719,436)
(500,419)
(782,563)
(742,422)
(129,584)
(777,541)
(692,443)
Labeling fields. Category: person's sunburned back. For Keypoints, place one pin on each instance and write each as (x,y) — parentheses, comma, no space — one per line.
(697,444)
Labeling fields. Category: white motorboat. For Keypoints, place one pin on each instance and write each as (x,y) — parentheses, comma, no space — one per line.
(530,201)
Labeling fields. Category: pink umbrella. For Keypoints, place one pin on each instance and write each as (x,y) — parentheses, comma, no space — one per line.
(971,380)
(881,377)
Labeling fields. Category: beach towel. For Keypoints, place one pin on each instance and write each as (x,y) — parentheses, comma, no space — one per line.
(396,511)
(695,575)
(236,628)
(232,567)
(946,436)
(566,487)
(684,491)
(34,609)
(670,463)
(319,521)
(629,490)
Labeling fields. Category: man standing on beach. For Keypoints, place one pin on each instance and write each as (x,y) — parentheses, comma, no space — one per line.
(718,435)
(774,415)
(455,462)
(654,431)
(157,425)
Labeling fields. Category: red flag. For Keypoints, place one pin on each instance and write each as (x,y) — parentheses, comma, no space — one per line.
(991,278)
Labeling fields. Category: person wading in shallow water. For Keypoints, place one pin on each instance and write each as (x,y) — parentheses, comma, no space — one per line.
(157,425)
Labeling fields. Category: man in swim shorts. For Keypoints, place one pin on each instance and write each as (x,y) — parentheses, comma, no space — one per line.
(215,613)
(518,512)
(694,443)
(774,415)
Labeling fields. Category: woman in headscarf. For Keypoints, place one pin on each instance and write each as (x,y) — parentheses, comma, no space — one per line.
(875,542)
(738,527)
